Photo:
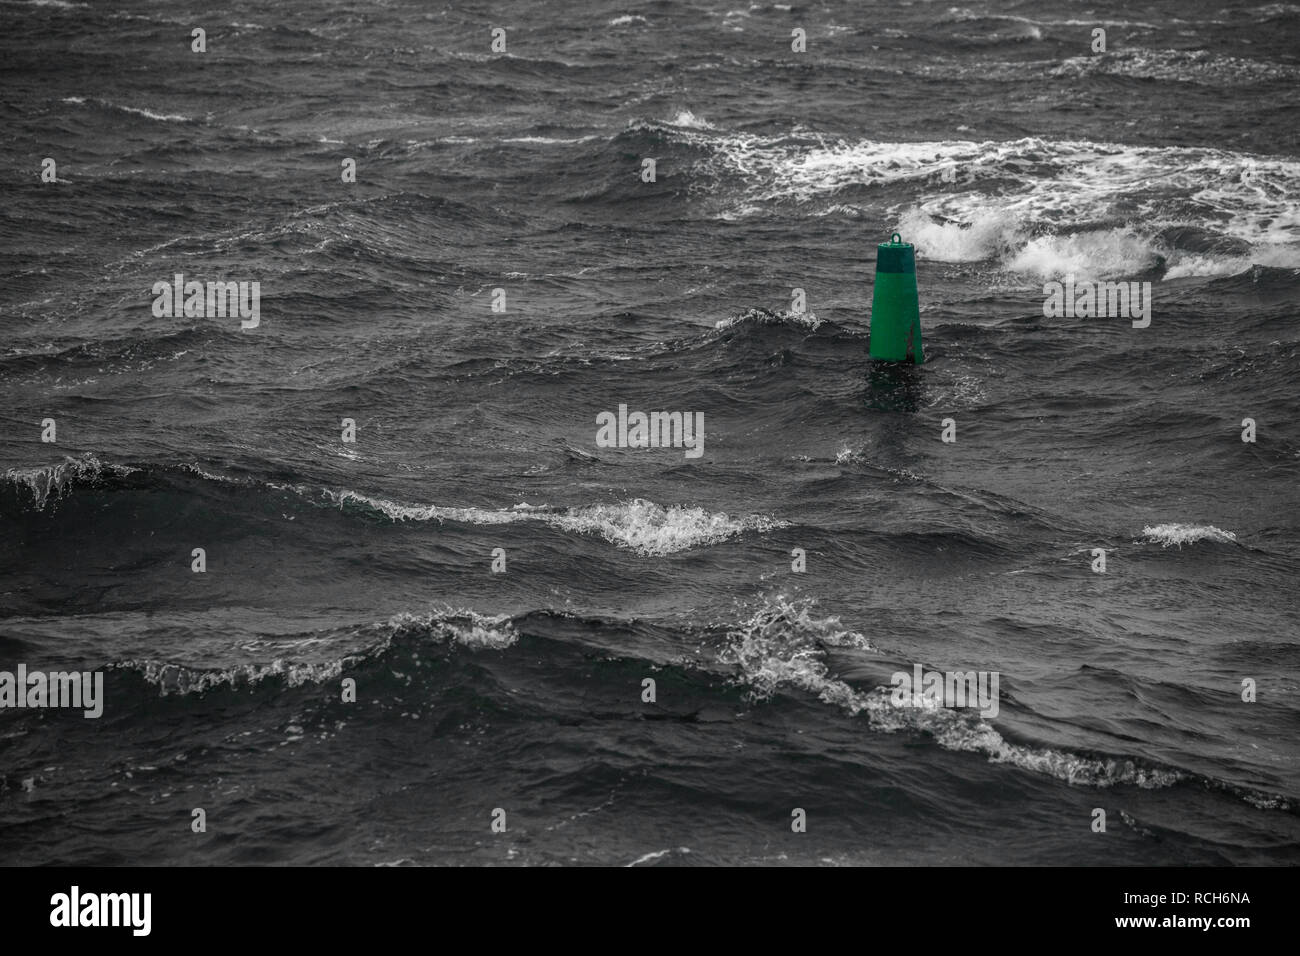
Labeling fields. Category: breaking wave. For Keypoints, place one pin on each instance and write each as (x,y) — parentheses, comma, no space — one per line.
(781,646)
(637,525)
(1167,535)
(44,485)
(1032,205)
(451,625)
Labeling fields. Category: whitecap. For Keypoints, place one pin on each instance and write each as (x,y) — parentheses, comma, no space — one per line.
(1167,535)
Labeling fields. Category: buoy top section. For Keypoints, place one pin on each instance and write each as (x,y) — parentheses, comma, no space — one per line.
(895,255)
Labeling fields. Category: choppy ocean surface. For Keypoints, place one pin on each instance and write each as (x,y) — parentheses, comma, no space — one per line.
(988,134)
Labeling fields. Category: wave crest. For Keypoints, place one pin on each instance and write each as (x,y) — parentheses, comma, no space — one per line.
(1167,535)
(637,525)
(807,321)
(781,646)
(448,625)
(48,484)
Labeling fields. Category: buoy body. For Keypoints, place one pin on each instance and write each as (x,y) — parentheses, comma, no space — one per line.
(895,308)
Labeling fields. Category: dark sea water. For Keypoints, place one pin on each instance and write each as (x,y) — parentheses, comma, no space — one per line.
(987,134)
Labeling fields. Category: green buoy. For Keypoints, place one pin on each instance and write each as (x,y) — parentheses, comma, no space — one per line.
(895,309)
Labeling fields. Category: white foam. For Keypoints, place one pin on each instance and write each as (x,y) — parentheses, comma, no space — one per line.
(467,628)
(548,140)
(688,120)
(806,320)
(49,483)
(781,646)
(1099,254)
(171,678)
(652,530)
(456,625)
(1041,207)
(1190,264)
(1072,185)
(58,4)
(1182,66)
(637,525)
(150,114)
(1181,534)
(658,854)
(987,235)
